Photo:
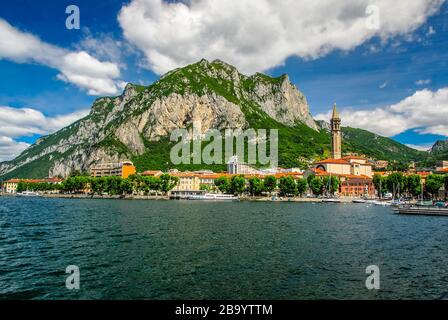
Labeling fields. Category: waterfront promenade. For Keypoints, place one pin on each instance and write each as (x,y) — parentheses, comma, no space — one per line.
(161,197)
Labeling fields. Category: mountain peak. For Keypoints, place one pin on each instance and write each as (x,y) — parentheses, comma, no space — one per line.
(440,146)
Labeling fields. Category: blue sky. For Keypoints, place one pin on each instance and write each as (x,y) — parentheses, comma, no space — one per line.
(385,77)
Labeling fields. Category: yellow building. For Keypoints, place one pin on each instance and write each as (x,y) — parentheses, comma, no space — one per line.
(188,181)
(355,166)
(11,185)
(123,169)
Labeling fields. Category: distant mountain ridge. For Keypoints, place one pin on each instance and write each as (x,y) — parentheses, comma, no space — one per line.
(136,124)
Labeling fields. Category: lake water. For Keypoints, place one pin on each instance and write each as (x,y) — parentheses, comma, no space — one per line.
(197,250)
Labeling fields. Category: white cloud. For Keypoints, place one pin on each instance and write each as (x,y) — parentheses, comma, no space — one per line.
(15,122)
(425,111)
(76,67)
(10,148)
(256,35)
(18,122)
(423,82)
(384,85)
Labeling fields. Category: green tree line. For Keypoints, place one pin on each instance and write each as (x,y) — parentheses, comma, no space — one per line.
(398,184)
(287,186)
(112,185)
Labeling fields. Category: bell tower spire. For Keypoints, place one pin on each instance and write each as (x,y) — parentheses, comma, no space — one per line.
(336,135)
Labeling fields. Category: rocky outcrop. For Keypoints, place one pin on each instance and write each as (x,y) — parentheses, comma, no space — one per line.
(180,111)
(282,101)
(440,146)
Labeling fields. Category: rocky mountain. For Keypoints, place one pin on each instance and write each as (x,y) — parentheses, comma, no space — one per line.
(136,124)
(439,150)
(440,146)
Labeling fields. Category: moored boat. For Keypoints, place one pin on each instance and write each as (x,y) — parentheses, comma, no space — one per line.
(28,194)
(331,200)
(383,203)
(214,197)
(422,210)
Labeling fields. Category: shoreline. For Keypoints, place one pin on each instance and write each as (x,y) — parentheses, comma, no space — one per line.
(166,198)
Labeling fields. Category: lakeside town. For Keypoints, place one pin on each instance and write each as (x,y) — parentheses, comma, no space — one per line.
(342,177)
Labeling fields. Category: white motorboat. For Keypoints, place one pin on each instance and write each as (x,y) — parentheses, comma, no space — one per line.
(359,201)
(28,194)
(214,197)
(331,200)
(383,203)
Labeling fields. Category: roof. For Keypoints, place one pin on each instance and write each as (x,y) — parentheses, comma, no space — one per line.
(288,174)
(356,180)
(321,173)
(334,161)
(50,180)
(152,173)
(444,170)
(354,158)
(335,113)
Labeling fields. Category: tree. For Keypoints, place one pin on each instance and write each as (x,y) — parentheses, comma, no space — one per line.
(331,184)
(302,186)
(433,184)
(309,178)
(126,186)
(113,185)
(380,183)
(137,182)
(445,178)
(270,184)
(152,184)
(168,183)
(223,184)
(76,184)
(398,166)
(395,183)
(287,186)
(98,185)
(413,185)
(317,186)
(256,186)
(238,185)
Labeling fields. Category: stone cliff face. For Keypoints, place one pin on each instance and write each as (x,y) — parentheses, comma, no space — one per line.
(282,102)
(440,146)
(117,128)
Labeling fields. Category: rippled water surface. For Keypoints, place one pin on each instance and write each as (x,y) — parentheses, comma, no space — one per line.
(195,250)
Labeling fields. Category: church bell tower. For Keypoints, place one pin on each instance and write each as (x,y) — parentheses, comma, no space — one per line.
(336,135)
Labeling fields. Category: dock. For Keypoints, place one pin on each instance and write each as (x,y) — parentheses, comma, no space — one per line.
(425,211)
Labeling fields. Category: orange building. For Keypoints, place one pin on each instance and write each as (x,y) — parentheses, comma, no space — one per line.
(123,169)
(357,187)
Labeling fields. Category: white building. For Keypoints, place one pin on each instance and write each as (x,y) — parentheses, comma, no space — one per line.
(236,167)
